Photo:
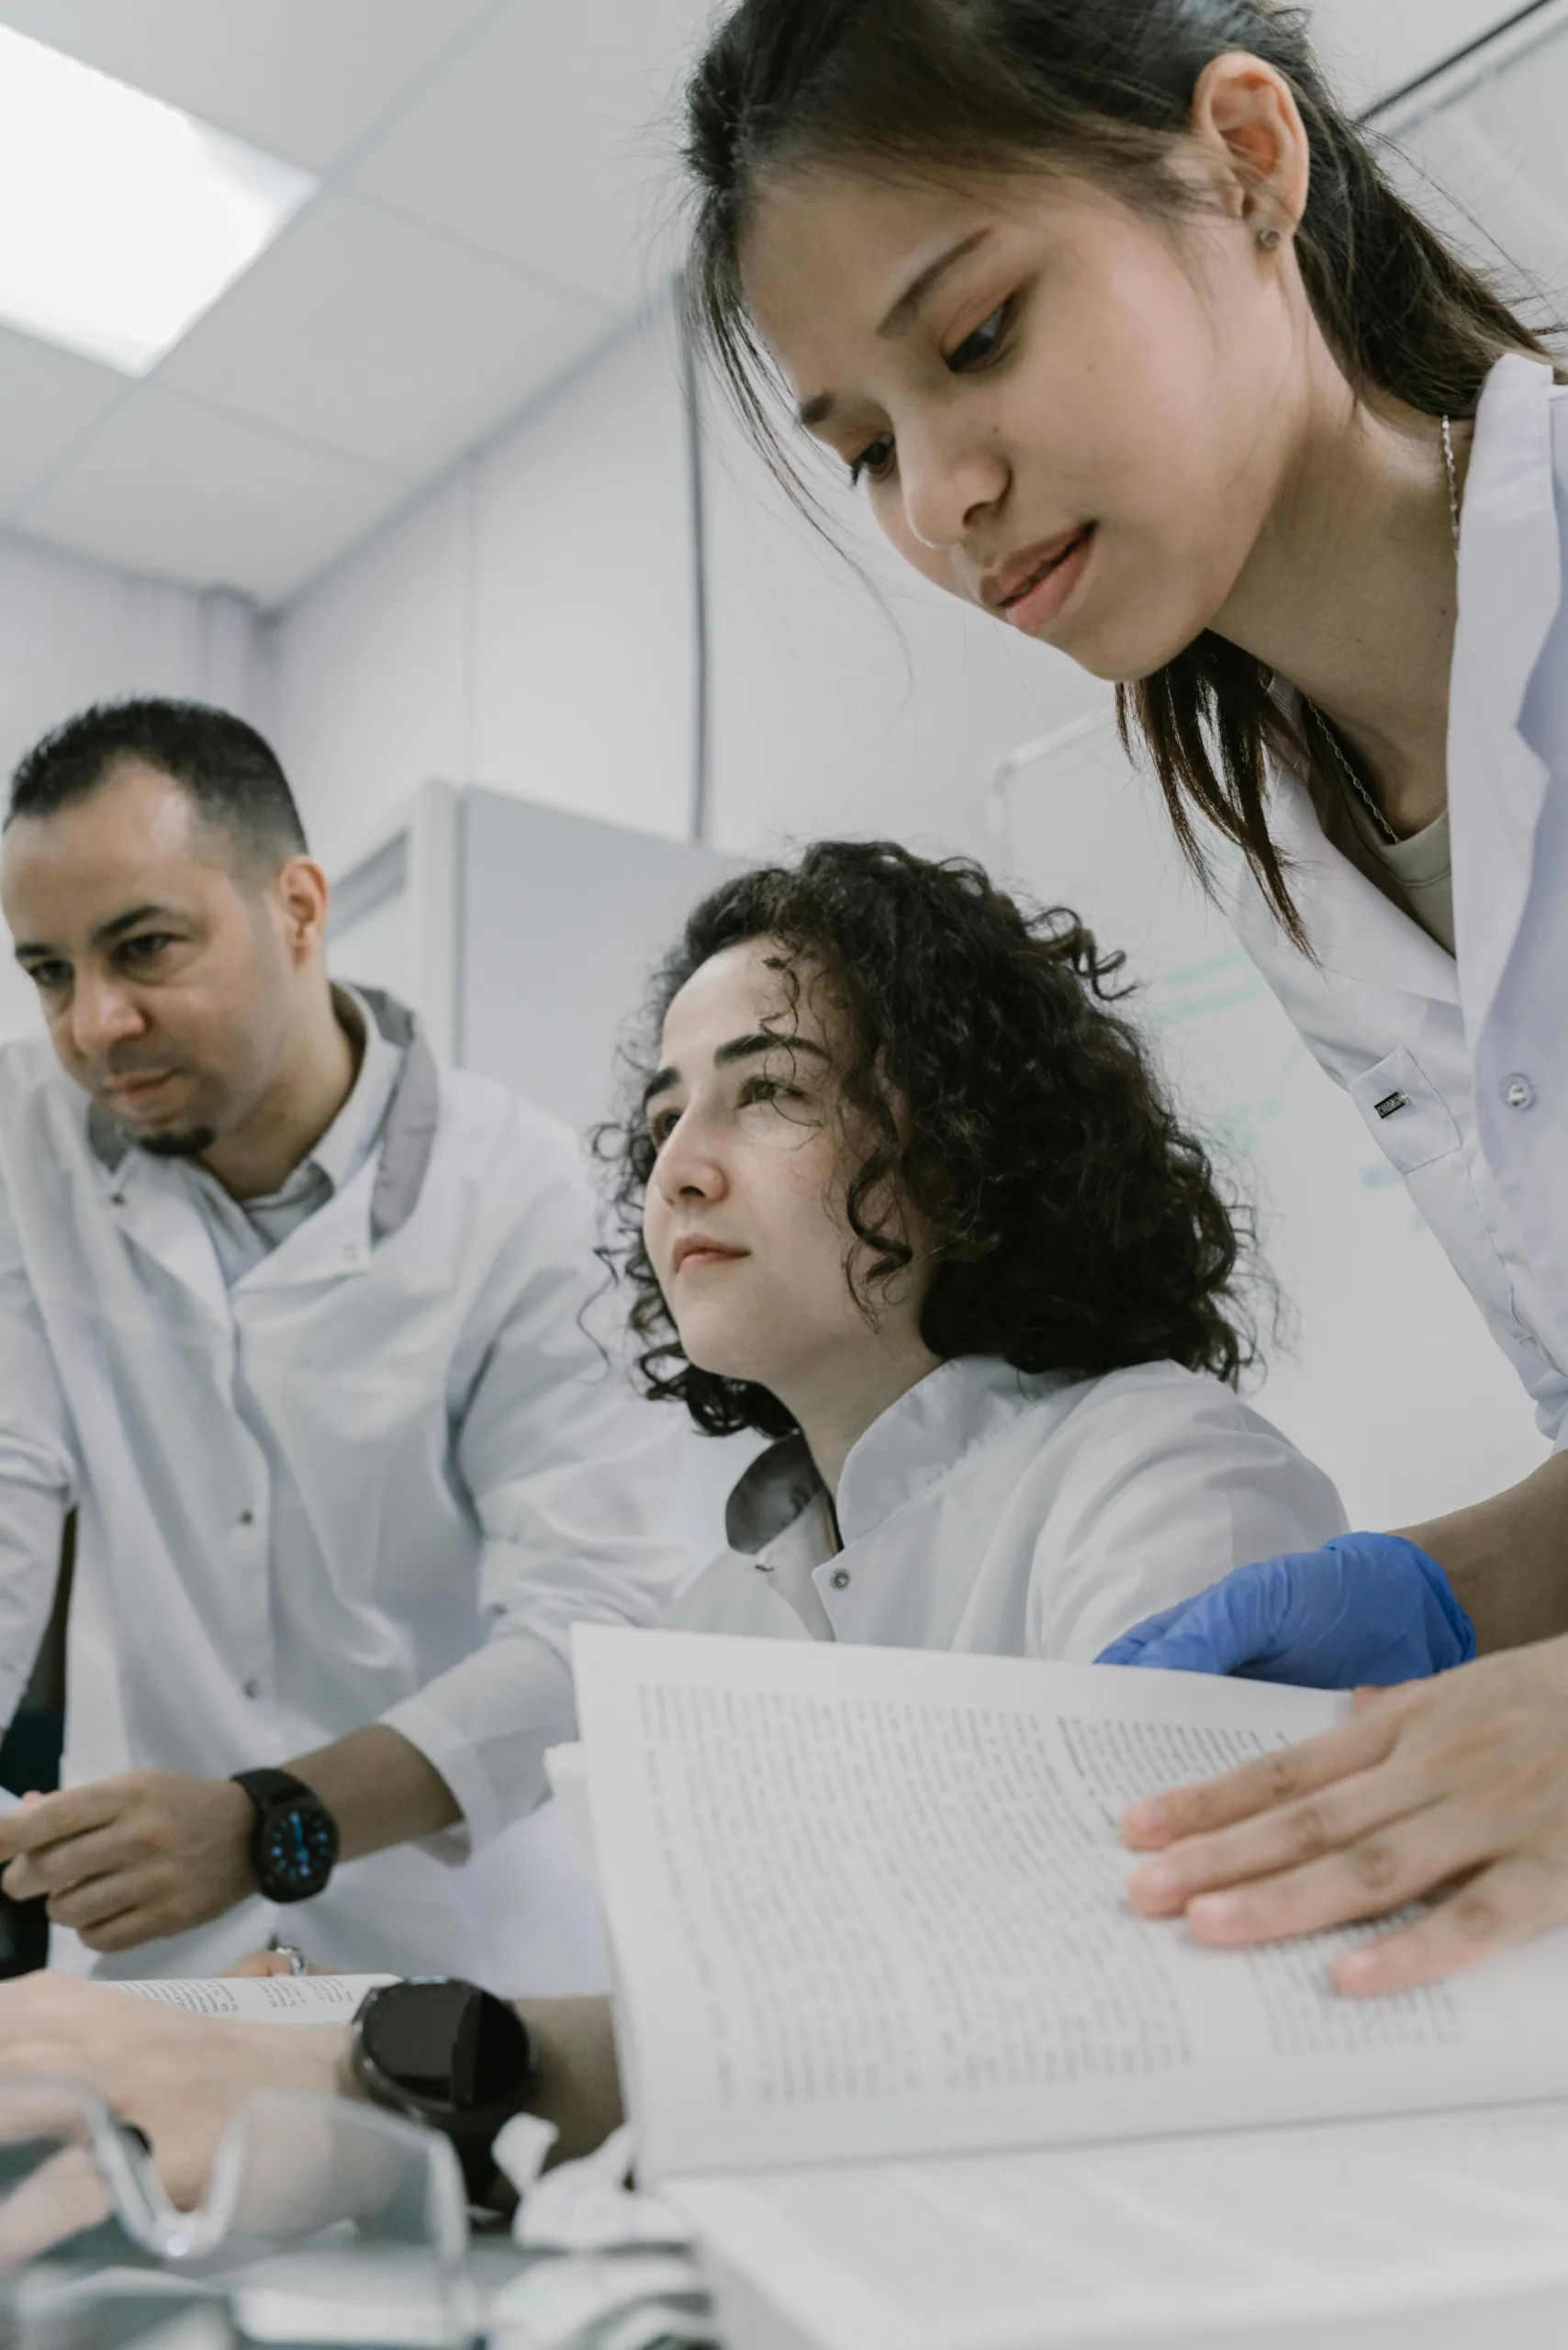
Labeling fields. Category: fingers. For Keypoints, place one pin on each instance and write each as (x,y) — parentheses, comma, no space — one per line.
(1129,1648)
(126,1930)
(1373,1874)
(45,1820)
(260,1961)
(64,2194)
(57,1867)
(1259,1786)
(1502,1904)
(1318,1828)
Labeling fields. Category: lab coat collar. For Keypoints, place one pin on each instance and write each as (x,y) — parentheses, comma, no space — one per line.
(1511,586)
(914,1443)
(1357,933)
(412,1116)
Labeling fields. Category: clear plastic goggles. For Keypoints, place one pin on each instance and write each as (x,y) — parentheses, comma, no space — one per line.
(320,2222)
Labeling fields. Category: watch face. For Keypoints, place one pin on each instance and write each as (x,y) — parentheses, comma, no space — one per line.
(296,1851)
(447,2045)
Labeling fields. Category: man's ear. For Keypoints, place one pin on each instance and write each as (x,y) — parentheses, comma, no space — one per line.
(1245,113)
(302,894)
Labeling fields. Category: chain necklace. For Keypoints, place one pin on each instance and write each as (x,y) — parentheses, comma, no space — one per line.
(1387,830)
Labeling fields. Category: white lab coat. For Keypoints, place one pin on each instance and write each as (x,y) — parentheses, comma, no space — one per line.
(1014,1514)
(1460,1067)
(467,1477)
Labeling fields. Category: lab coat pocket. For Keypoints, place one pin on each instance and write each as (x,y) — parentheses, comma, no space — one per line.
(1409,1118)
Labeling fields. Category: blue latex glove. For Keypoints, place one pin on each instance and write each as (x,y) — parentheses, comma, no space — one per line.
(1366,1611)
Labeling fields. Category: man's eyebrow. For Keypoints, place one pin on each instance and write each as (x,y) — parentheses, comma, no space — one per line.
(105,935)
(107,931)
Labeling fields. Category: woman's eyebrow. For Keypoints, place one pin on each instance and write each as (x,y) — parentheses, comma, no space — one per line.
(903,314)
(745,1048)
(661,1082)
(906,309)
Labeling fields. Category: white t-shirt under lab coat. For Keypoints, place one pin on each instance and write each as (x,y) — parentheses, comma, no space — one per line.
(1458,1063)
(1011,1513)
(376,1477)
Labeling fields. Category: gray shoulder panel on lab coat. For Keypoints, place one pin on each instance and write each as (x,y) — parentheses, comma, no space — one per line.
(407,1140)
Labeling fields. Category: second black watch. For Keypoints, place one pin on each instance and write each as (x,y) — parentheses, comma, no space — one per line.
(293,1844)
(452,2056)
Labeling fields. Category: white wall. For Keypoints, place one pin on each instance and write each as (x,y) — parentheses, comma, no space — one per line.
(73,633)
(528,624)
(849,700)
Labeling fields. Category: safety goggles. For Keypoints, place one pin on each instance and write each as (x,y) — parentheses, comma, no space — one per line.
(319,2220)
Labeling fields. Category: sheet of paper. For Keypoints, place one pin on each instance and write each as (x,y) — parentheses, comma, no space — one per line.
(864,1902)
(264,1999)
(1328,2230)
(565,1767)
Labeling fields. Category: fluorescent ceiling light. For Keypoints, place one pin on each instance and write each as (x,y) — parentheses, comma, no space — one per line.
(121,218)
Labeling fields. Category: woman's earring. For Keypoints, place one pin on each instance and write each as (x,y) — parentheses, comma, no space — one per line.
(1271,240)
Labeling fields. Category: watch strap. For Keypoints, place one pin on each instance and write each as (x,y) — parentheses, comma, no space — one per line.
(266,1788)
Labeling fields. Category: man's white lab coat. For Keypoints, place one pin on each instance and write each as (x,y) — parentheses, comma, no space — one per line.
(467,1478)
(1014,1514)
(1460,1067)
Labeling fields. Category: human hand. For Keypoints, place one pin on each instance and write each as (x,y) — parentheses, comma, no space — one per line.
(1367,1609)
(178,2077)
(125,1859)
(1453,1792)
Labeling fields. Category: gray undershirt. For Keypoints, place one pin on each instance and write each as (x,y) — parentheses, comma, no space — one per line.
(1416,875)
(243,1231)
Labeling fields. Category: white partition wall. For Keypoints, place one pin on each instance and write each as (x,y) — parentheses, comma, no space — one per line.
(525,936)
(1389,1377)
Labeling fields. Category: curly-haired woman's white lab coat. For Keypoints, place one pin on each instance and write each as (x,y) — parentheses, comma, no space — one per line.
(1013,1513)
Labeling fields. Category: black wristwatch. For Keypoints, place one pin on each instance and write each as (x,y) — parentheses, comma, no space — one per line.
(450,2055)
(293,1844)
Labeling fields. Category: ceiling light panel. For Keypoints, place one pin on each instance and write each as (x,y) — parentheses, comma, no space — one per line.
(121,218)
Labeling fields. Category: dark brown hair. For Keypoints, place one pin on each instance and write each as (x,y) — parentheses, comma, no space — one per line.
(1105,87)
(991,1086)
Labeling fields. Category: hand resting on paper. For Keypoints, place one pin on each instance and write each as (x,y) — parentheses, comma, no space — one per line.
(181,2077)
(1365,1611)
(1453,1792)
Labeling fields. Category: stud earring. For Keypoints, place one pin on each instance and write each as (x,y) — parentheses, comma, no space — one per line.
(1271,240)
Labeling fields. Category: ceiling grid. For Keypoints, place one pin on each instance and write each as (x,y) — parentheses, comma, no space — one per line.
(495,200)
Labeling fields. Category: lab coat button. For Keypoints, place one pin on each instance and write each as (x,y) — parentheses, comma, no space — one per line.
(840,1579)
(247,1517)
(253,1688)
(1518,1093)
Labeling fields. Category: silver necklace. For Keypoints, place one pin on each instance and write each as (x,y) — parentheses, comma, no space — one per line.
(1390,836)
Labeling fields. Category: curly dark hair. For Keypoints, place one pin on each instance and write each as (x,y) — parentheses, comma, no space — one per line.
(1079,1225)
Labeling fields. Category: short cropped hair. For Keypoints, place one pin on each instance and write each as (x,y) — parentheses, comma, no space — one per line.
(990,1081)
(227,770)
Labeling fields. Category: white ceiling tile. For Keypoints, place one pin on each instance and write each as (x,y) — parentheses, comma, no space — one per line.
(545,140)
(305,78)
(165,486)
(49,398)
(380,338)
(1380,46)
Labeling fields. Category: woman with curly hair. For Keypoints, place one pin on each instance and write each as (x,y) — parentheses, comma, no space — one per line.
(904,1194)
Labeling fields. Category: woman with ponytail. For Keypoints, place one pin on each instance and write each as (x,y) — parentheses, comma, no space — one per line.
(1110,309)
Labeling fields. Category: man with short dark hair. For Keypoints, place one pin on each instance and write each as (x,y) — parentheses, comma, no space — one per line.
(296,1323)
